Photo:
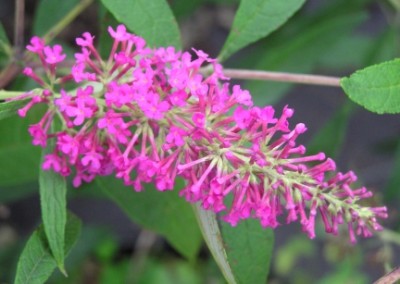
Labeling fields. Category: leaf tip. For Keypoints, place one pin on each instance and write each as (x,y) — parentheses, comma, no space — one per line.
(62,269)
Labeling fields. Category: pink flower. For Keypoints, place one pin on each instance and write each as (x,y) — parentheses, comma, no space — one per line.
(52,161)
(178,98)
(38,134)
(69,145)
(35,100)
(81,107)
(152,107)
(196,86)
(175,136)
(149,116)
(143,80)
(167,54)
(85,40)
(64,101)
(242,96)
(30,73)
(120,33)
(242,117)
(54,55)
(92,160)
(36,45)
(178,78)
(82,57)
(79,74)
(199,119)
(115,126)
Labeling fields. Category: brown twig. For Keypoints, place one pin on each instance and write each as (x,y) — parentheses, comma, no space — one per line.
(144,243)
(283,77)
(75,12)
(9,73)
(389,278)
(13,68)
(19,26)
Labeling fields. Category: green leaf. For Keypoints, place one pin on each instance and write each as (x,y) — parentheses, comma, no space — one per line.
(53,201)
(377,88)
(177,271)
(288,256)
(36,262)
(370,50)
(308,45)
(347,270)
(396,4)
(243,253)
(5,46)
(183,8)
(212,235)
(151,19)
(249,249)
(3,35)
(105,42)
(256,19)
(383,48)
(13,193)
(331,136)
(392,191)
(50,12)
(340,58)
(19,159)
(10,108)
(19,164)
(163,212)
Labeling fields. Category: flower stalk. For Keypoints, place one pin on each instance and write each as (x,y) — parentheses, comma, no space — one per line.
(156,117)
(283,77)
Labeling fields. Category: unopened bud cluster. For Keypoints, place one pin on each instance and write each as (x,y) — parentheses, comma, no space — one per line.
(149,116)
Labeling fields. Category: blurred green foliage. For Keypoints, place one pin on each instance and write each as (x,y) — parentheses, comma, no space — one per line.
(332,37)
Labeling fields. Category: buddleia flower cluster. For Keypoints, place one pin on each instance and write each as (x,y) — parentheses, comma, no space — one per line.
(149,115)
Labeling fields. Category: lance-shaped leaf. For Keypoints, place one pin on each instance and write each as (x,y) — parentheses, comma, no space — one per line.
(392,192)
(10,108)
(53,202)
(49,12)
(256,19)
(36,262)
(4,42)
(302,54)
(163,212)
(3,35)
(331,136)
(12,172)
(243,253)
(15,147)
(152,20)
(377,88)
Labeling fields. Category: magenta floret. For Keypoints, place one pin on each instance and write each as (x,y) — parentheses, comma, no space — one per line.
(151,115)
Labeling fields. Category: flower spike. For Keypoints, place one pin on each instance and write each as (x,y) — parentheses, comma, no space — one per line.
(150,116)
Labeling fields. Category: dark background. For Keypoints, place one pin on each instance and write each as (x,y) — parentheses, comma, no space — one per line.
(368,147)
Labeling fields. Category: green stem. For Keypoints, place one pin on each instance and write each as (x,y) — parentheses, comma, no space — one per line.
(390,236)
(144,243)
(396,4)
(55,30)
(13,69)
(9,94)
